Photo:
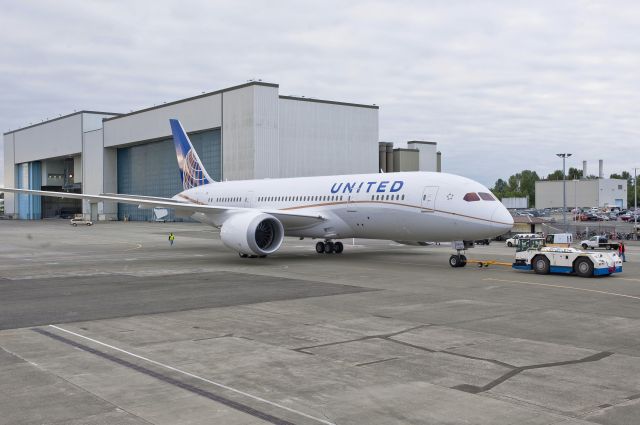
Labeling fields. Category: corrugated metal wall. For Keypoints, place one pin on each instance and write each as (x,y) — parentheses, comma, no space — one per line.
(583,193)
(238,136)
(9,173)
(266,138)
(92,162)
(195,115)
(53,139)
(323,139)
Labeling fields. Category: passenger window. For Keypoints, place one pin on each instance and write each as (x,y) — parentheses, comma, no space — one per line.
(486,196)
(471,197)
(403,197)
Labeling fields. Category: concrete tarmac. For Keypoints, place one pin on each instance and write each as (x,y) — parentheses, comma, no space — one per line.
(110,325)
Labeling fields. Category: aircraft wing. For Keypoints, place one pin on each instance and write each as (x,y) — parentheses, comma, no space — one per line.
(288,219)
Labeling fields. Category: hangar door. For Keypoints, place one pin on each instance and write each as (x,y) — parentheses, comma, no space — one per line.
(151,169)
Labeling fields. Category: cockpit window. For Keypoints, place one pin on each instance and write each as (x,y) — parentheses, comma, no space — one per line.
(471,197)
(486,196)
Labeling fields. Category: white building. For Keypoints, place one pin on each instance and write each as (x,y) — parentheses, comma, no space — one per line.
(582,193)
(244,132)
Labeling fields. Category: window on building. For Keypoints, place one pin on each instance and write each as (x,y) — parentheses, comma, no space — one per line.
(470,197)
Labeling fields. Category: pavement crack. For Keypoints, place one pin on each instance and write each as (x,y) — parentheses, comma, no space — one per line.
(406,344)
(363,338)
(494,361)
(475,389)
(376,361)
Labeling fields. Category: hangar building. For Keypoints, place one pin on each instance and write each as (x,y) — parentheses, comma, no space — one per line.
(248,131)
(599,192)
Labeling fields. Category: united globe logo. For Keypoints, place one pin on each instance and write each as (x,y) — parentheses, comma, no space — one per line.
(192,173)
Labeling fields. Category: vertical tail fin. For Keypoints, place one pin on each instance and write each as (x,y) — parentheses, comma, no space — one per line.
(192,171)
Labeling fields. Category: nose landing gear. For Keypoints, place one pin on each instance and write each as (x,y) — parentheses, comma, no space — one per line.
(329,247)
(458,260)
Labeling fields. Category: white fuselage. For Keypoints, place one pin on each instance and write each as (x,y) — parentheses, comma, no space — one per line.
(408,206)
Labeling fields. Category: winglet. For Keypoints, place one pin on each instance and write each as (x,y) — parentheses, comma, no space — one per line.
(192,171)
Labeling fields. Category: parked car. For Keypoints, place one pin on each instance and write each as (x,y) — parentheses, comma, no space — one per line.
(80,220)
(513,241)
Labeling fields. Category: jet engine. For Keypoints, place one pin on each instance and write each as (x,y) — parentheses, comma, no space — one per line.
(252,233)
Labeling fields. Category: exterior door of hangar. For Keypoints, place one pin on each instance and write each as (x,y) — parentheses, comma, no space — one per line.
(428,202)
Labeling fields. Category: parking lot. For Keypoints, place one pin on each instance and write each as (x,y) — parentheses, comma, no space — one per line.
(109,324)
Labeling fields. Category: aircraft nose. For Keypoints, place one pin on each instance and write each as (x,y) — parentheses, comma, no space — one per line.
(502,218)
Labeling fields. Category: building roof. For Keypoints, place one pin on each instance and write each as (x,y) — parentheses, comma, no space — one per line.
(175,102)
(331,102)
(61,118)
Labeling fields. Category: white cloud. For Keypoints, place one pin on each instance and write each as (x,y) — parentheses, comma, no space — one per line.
(502,86)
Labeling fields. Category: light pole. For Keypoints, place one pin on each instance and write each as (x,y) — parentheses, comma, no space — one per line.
(564,156)
(635,203)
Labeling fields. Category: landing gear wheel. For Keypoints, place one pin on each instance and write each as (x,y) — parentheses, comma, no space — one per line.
(584,267)
(320,247)
(541,265)
(328,248)
(338,247)
(242,255)
(463,261)
(455,260)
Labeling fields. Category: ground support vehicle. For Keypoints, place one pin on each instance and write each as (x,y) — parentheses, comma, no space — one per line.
(559,239)
(532,254)
(598,242)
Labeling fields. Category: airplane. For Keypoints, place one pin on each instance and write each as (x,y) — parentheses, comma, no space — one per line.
(254,216)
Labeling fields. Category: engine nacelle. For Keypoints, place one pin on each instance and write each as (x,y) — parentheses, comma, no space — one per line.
(252,233)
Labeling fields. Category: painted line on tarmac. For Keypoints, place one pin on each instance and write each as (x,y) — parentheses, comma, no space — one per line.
(563,287)
(191,375)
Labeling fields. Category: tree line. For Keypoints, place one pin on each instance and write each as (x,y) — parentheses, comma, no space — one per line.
(523,184)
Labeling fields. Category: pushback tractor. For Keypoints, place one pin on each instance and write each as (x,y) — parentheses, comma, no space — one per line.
(533,254)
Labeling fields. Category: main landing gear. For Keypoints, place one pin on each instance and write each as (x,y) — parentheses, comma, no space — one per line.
(328,247)
(242,255)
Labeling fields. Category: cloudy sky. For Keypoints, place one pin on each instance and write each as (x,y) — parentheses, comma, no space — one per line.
(500,85)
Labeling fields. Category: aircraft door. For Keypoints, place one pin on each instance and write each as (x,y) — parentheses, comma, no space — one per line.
(428,201)
(249,199)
